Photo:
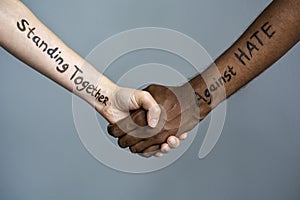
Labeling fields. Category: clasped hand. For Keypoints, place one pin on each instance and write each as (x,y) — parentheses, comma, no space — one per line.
(179,114)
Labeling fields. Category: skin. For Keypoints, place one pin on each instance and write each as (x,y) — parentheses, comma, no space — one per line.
(21,34)
(176,102)
(268,38)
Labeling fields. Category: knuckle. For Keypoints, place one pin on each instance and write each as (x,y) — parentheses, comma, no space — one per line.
(138,148)
(122,143)
(156,109)
(146,94)
(159,138)
(111,130)
(150,87)
(154,87)
(133,150)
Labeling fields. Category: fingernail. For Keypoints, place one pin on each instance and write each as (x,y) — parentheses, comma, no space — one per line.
(153,123)
(183,136)
(159,154)
(172,141)
(165,148)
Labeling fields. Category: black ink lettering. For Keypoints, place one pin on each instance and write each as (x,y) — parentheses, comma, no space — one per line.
(63,68)
(97,94)
(100,98)
(241,55)
(36,40)
(74,74)
(105,101)
(218,85)
(84,85)
(59,60)
(230,69)
(200,97)
(222,80)
(90,89)
(227,76)
(22,27)
(208,95)
(50,52)
(257,38)
(30,32)
(212,88)
(45,45)
(93,92)
(266,30)
(251,47)
(57,55)
(78,80)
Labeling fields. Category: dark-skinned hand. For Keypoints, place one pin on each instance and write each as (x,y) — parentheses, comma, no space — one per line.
(180,113)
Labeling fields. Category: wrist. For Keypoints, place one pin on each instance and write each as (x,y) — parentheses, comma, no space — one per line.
(102,95)
(202,96)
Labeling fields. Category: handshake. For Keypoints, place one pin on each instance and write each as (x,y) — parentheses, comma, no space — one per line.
(163,118)
(151,121)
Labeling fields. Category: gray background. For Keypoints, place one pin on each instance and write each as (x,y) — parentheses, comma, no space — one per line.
(257,156)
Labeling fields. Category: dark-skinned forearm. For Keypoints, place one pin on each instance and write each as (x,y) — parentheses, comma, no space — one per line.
(269,37)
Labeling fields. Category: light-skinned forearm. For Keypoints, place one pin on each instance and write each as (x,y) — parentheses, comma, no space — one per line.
(27,38)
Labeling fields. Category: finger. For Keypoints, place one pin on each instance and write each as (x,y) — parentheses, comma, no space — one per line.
(146,155)
(153,116)
(165,148)
(140,146)
(135,120)
(145,100)
(173,142)
(128,140)
(145,132)
(114,130)
(158,154)
(183,136)
(155,140)
(150,151)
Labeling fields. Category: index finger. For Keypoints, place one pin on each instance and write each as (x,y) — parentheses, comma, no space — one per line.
(128,124)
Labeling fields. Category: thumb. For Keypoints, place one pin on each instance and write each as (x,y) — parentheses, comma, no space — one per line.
(145,100)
